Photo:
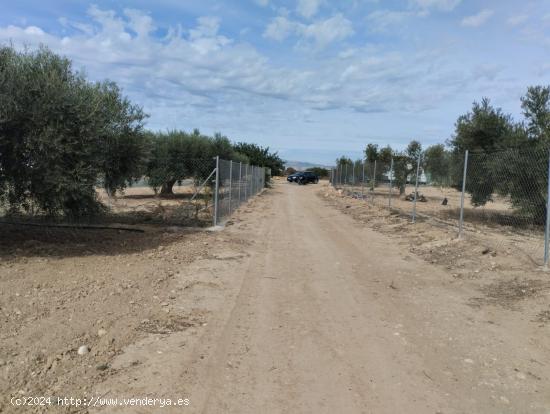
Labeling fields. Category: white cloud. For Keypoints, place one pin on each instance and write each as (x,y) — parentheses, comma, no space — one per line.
(330,30)
(140,22)
(486,71)
(280,28)
(194,76)
(517,20)
(477,19)
(321,33)
(382,20)
(308,8)
(442,5)
(262,3)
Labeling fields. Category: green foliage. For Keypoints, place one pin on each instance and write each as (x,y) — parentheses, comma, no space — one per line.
(319,171)
(536,109)
(437,164)
(60,135)
(385,155)
(178,155)
(404,164)
(483,130)
(261,157)
(506,158)
(414,150)
(343,161)
(371,153)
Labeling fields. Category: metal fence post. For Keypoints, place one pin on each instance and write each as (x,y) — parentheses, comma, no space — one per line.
(249,181)
(374,176)
(547,229)
(464,174)
(363,181)
(346,176)
(246,182)
(240,180)
(254,180)
(217,188)
(416,188)
(391,183)
(230,184)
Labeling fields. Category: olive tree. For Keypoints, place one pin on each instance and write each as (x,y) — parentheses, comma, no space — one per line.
(61,135)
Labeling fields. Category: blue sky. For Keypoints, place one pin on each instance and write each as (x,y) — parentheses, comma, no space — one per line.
(312,79)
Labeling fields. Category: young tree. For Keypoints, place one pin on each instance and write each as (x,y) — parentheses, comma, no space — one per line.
(437,164)
(371,153)
(482,131)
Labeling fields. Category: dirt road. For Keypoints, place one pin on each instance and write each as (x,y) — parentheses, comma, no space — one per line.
(297,306)
(319,314)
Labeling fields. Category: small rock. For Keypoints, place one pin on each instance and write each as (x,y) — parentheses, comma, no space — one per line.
(101,332)
(83,350)
(469,361)
(521,375)
(164,304)
(102,367)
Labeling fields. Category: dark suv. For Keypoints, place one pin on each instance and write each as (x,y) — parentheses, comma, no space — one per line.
(292,177)
(303,178)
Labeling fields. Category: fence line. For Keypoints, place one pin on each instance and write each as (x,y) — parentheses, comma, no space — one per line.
(235,184)
(507,192)
(182,191)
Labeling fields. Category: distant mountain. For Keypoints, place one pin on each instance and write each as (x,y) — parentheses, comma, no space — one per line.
(303,165)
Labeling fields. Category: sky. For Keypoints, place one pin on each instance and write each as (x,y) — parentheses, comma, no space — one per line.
(311,79)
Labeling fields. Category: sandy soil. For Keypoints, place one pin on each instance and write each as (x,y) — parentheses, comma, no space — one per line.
(306,302)
(435,195)
(141,204)
(497,218)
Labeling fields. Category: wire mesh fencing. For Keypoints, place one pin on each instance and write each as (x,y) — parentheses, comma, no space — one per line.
(176,191)
(236,184)
(501,196)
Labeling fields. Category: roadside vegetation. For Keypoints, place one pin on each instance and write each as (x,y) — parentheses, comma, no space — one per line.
(508,146)
(63,136)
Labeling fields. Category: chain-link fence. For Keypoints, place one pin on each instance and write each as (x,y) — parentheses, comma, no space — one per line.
(177,191)
(236,183)
(502,195)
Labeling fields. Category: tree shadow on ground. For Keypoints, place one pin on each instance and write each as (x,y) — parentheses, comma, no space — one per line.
(37,241)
